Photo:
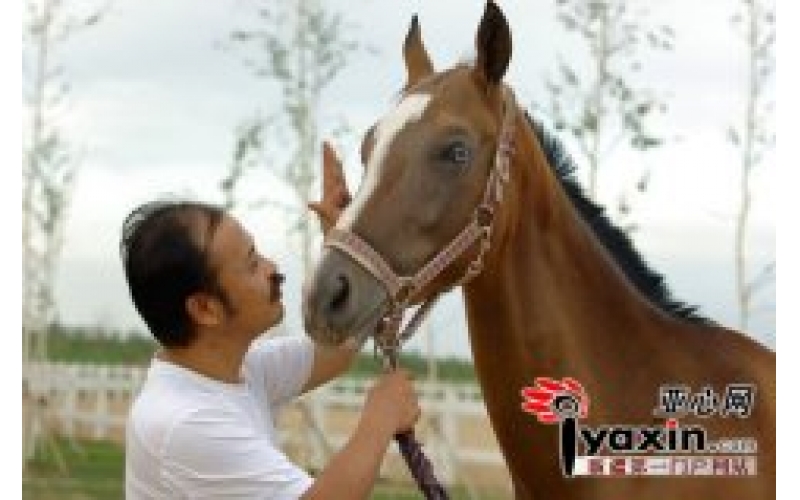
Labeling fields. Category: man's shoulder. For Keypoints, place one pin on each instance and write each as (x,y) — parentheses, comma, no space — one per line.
(276,349)
(277,366)
(279,343)
(164,402)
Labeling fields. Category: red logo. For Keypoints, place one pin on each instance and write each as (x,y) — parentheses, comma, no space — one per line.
(552,400)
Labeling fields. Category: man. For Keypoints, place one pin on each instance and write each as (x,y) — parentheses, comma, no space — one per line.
(203,424)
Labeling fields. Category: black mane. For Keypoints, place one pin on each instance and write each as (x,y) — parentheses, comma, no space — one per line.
(618,244)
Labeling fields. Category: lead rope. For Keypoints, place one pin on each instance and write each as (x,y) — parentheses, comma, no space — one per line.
(389,345)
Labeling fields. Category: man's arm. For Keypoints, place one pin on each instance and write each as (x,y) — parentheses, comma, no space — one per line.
(391,407)
(329,363)
(352,472)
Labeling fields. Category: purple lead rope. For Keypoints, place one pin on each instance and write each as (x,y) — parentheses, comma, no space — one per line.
(420,467)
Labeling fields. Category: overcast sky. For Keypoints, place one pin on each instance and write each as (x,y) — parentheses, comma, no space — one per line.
(154,103)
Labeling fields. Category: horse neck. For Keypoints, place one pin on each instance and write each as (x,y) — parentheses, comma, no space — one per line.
(550,280)
(550,302)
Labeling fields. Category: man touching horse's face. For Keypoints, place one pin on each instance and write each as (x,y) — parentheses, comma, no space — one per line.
(426,167)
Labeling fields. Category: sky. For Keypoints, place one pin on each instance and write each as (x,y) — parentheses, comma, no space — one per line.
(154,103)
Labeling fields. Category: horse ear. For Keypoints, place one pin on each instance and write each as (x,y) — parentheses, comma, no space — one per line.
(418,64)
(494,44)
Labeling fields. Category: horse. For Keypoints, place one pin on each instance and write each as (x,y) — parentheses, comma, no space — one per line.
(462,188)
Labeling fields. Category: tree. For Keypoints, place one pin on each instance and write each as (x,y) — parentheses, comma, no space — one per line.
(598,103)
(48,171)
(755,22)
(301,47)
(247,154)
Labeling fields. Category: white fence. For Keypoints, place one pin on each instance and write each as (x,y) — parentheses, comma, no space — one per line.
(92,401)
(81,400)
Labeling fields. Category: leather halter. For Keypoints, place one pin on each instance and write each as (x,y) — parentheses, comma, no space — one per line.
(403,289)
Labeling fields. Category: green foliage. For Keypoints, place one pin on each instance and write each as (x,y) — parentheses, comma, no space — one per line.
(448,369)
(87,345)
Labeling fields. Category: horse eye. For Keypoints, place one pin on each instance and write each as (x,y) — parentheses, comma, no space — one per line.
(457,153)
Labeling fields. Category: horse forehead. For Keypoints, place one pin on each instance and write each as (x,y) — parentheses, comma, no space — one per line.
(410,109)
(412,106)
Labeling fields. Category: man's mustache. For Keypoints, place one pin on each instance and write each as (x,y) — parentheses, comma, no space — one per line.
(276,280)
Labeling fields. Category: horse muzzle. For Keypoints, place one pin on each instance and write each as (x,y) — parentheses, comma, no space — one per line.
(341,300)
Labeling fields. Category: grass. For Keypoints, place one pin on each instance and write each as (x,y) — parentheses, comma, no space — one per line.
(95,471)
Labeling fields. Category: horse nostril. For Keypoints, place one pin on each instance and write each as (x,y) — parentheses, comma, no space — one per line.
(341,292)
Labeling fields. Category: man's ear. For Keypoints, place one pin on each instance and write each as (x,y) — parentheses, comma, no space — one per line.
(204,309)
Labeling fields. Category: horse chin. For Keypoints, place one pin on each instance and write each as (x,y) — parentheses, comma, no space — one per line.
(363,330)
(360,337)
(354,338)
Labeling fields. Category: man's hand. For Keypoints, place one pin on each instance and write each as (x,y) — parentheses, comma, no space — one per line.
(335,196)
(391,405)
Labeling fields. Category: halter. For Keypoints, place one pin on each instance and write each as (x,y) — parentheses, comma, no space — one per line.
(403,289)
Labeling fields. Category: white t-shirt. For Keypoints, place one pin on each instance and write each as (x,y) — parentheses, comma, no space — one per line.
(189,436)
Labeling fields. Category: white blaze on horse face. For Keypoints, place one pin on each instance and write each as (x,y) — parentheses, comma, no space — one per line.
(409,110)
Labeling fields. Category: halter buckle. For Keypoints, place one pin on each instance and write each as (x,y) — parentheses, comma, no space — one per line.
(484,215)
(404,292)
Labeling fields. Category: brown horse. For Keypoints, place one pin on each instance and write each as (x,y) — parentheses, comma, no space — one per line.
(552,288)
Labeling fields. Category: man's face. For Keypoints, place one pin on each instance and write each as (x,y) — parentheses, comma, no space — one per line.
(250,281)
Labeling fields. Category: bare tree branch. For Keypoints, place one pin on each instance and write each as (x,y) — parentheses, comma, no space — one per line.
(755,23)
(49,169)
(301,47)
(598,104)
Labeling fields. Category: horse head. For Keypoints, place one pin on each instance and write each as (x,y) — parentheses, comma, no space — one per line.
(435,168)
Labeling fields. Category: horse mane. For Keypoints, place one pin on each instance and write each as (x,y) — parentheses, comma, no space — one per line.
(618,244)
